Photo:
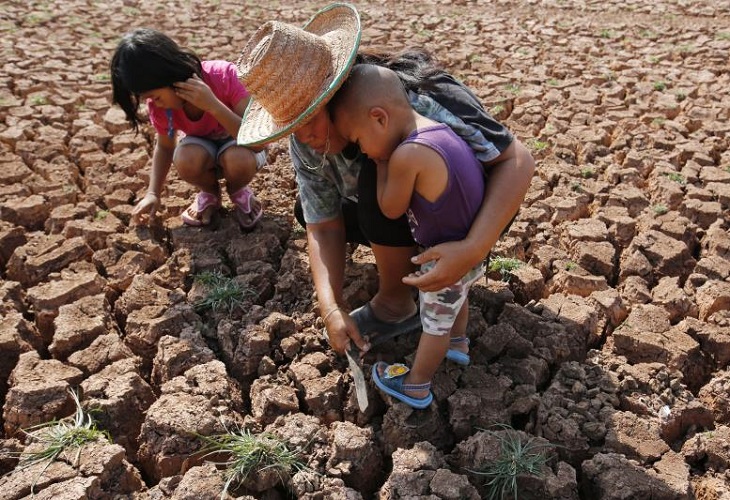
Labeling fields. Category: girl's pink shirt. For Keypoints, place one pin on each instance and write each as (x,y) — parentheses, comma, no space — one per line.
(222,78)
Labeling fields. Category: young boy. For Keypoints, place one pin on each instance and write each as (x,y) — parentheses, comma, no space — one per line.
(429,173)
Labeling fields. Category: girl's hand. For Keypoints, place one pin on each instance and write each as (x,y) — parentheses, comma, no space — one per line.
(196,92)
(146,210)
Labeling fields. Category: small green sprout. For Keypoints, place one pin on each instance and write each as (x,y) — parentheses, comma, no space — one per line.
(497,109)
(660,209)
(516,458)
(676,177)
(57,437)
(659,86)
(513,88)
(224,293)
(101,215)
(252,453)
(505,265)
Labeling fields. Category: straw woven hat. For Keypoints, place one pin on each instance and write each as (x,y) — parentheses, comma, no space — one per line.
(292,72)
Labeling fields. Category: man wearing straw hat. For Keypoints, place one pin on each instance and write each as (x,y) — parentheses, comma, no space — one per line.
(291,74)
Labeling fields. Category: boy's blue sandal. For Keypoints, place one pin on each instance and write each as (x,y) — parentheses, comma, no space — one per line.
(378,331)
(391,383)
(458,357)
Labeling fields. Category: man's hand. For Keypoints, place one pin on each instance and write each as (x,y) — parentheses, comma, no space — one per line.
(341,330)
(453,260)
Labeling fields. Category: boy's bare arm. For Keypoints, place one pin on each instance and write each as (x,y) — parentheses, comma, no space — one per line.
(397,181)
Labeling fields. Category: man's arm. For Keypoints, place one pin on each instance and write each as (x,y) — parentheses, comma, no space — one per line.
(326,248)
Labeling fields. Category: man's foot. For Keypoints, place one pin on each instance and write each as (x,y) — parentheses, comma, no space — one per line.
(378,331)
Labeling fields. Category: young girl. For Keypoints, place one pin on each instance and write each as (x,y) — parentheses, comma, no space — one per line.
(201,102)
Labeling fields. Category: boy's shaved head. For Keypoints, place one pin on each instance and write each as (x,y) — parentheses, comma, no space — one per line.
(367,86)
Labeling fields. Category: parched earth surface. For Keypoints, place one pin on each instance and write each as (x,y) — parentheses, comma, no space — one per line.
(609,347)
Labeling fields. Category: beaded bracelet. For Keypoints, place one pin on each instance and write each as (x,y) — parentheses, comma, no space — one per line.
(329,313)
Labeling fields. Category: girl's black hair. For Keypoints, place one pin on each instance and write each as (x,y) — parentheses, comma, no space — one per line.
(415,67)
(146,59)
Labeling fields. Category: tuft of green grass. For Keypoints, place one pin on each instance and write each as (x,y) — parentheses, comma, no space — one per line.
(513,88)
(101,215)
(38,100)
(660,209)
(515,458)
(723,35)
(686,48)
(252,453)
(570,265)
(659,86)
(676,177)
(505,265)
(537,145)
(647,33)
(497,109)
(587,172)
(223,294)
(59,437)
(472,58)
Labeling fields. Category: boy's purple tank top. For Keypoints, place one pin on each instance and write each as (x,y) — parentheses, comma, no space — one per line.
(452,214)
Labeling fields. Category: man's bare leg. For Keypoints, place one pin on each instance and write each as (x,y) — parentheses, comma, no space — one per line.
(394,300)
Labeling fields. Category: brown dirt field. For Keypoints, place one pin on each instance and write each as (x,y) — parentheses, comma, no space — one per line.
(609,346)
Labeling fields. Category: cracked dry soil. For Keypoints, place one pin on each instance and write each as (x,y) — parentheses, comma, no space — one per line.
(610,346)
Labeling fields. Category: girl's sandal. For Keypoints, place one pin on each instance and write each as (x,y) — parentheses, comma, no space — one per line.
(201,210)
(244,208)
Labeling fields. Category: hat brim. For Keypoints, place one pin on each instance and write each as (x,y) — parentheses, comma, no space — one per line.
(342,31)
